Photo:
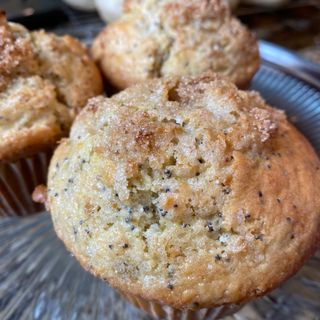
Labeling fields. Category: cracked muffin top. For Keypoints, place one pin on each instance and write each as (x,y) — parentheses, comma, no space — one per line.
(188,192)
(44,81)
(175,38)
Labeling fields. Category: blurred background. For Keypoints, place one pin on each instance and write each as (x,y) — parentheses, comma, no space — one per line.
(294,24)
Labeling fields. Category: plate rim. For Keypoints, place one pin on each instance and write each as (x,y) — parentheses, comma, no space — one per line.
(290,63)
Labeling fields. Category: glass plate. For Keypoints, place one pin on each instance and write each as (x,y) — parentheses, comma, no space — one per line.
(39,279)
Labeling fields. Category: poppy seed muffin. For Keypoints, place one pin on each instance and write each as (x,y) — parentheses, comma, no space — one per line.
(44,81)
(155,39)
(186,192)
(111,10)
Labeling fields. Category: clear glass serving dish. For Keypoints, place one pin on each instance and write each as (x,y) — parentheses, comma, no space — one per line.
(39,279)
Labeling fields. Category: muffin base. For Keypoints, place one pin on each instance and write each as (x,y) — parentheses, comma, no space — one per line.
(158,311)
(18,180)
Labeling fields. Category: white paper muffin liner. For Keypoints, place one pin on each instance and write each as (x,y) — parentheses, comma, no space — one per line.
(159,311)
(18,180)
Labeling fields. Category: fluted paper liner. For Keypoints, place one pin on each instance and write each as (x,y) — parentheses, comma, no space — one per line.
(159,311)
(18,180)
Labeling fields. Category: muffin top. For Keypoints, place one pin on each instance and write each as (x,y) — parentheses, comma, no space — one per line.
(175,38)
(188,192)
(44,81)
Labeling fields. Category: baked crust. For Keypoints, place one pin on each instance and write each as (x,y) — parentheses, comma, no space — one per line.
(175,38)
(187,192)
(44,82)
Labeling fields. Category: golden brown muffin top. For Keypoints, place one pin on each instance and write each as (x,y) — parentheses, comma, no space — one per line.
(188,192)
(175,38)
(44,81)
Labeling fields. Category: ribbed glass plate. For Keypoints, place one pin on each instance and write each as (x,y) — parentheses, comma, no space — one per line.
(39,279)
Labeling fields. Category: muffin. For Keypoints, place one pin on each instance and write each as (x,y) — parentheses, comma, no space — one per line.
(44,81)
(188,195)
(112,9)
(155,39)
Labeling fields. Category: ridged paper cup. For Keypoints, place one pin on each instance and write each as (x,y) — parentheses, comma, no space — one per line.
(159,311)
(18,180)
